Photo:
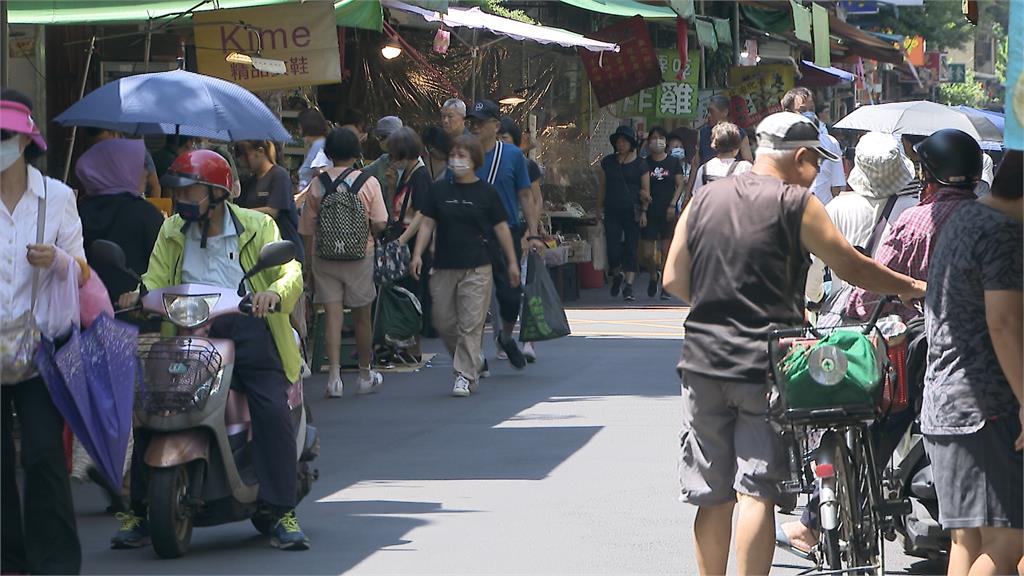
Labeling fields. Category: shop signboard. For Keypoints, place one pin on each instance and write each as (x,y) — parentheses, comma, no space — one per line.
(671,99)
(303,36)
(757,91)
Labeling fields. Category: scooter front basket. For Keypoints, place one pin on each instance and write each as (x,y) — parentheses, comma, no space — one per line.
(178,374)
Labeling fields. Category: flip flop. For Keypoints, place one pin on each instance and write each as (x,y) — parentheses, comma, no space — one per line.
(782,541)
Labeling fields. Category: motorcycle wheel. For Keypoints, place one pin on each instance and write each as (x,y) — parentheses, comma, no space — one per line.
(170,520)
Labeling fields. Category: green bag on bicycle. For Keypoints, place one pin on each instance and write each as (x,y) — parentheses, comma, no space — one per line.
(841,370)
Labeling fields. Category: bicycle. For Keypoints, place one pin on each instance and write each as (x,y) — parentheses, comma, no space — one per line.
(829,405)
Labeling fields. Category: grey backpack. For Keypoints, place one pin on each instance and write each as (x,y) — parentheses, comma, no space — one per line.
(343,226)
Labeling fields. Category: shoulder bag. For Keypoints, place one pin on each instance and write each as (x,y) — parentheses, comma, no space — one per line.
(20,338)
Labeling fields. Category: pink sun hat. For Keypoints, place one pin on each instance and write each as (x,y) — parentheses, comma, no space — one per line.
(16,117)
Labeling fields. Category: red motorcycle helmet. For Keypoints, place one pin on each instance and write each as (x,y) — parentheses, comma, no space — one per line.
(198,167)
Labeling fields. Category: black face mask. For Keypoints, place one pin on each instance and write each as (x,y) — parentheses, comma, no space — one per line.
(190,211)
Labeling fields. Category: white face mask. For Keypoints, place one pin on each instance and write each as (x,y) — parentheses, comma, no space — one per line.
(460,166)
(10,151)
(657,145)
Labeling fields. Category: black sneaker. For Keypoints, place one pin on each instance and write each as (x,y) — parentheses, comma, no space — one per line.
(652,286)
(133,533)
(665,295)
(287,535)
(627,293)
(515,355)
(617,283)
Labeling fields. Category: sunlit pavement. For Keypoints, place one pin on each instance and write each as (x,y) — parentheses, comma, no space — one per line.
(568,467)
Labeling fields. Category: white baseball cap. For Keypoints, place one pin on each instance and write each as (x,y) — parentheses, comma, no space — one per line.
(789,131)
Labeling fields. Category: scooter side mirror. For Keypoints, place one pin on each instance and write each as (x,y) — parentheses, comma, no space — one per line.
(108,254)
(273,254)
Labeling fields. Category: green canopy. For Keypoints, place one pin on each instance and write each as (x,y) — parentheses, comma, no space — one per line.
(625,8)
(352,13)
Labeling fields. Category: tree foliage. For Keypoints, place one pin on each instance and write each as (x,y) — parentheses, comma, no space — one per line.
(970,93)
(940,22)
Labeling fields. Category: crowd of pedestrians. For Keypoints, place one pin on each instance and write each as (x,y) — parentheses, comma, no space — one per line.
(751,241)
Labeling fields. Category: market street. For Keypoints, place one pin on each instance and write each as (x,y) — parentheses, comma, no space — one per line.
(568,467)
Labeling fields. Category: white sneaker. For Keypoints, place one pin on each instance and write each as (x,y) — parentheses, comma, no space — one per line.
(371,384)
(461,389)
(335,389)
(502,355)
(529,352)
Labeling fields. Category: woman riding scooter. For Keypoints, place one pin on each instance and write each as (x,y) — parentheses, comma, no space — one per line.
(214,243)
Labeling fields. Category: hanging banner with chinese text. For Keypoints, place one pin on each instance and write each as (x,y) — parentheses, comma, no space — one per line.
(757,91)
(616,75)
(304,36)
(671,98)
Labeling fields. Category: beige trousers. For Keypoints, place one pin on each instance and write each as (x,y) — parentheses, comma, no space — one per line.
(460,299)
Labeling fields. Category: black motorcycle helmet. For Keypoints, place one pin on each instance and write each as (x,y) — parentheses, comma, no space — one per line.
(951,157)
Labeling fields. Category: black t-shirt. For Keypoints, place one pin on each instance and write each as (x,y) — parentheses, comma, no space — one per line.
(622,181)
(466,215)
(663,177)
(274,190)
(747,274)
(533,170)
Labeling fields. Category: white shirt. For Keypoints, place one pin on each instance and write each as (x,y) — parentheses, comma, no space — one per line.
(854,215)
(717,168)
(217,264)
(62,228)
(831,173)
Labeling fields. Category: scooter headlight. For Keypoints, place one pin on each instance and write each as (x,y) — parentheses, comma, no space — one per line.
(189,311)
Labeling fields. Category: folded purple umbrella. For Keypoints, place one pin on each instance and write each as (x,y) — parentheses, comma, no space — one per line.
(91,379)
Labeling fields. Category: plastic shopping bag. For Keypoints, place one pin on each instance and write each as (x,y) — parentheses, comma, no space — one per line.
(94,300)
(543,317)
(399,317)
(57,308)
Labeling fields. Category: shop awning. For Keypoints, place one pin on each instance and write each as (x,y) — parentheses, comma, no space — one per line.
(351,13)
(624,8)
(478,19)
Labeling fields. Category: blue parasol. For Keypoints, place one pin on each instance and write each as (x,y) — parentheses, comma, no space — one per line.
(91,379)
(177,102)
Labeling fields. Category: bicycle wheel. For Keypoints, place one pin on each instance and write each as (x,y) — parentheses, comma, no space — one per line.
(868,549)
(857,524)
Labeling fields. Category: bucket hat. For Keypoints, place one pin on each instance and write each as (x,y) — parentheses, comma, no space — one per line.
(880,168)
(626,132)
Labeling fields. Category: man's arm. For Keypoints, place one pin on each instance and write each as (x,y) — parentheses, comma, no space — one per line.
(1003,315)
(161,262)
(745,153)
(822,239)
(287,278)
(692,178)
(677,268)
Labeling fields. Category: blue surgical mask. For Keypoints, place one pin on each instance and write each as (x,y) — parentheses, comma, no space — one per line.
(678,153)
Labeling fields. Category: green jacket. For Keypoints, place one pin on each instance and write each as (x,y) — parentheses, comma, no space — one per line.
(255,230)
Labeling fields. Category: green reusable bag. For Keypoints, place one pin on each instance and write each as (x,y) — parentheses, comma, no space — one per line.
(857,384)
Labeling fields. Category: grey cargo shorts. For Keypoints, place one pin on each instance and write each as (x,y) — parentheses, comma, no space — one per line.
(727,446)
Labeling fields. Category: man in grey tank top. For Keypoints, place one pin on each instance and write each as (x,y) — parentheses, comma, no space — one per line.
(739,257)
